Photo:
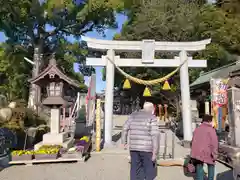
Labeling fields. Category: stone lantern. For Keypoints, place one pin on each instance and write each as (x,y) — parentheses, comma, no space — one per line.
(54,80)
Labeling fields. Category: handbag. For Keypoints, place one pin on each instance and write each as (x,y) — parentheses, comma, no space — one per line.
(189,165)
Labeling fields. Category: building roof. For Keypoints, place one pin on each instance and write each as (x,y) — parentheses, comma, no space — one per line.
(53,70)
(222,72)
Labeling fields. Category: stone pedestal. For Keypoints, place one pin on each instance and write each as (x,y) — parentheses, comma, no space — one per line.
(51,138)
(55,137)
(55,121)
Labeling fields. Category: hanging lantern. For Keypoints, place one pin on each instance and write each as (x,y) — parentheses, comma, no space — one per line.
(147,92)
(126,84)
(166,86)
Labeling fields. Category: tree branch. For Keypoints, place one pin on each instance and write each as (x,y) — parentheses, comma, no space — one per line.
(66,29)
(81,32)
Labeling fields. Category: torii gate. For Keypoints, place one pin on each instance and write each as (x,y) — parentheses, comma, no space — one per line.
(148,48)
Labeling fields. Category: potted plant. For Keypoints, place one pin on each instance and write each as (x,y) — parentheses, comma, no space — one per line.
(22,155)
(47,152)
(83,144)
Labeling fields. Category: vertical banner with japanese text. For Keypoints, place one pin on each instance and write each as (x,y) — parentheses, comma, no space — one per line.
(219,102)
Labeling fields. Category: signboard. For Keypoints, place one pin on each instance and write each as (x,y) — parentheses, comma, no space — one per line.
(219,102)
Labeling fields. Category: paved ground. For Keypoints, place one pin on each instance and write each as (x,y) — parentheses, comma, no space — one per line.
(101,167)
(111,164)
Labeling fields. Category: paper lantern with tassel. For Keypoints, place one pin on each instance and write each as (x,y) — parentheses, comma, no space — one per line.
(147,92)
(126,84)
(166,86)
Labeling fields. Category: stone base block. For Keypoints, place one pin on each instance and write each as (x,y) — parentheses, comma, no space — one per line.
(56,139)
(50,138)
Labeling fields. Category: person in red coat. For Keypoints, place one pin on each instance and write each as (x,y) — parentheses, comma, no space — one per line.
(204,148)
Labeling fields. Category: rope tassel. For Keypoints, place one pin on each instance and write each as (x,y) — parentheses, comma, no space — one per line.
(126,84)
(147,92)
(166,86)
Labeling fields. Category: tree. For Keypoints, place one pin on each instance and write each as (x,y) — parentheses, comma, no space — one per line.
(40,24)
(171,20)
(14,74)
(44,25)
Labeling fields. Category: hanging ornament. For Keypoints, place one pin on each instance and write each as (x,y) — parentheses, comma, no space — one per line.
(166,86)
(147,92)
(126,84)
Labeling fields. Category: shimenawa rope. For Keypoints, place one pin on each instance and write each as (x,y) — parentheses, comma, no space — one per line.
(147,82)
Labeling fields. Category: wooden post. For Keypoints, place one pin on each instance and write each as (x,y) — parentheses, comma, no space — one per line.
(160,111)
(165,113)
(98,125)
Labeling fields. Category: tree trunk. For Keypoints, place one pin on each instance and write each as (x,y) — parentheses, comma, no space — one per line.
(34,90)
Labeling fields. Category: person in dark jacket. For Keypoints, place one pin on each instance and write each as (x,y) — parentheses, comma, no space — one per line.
(204,148)
(144,139)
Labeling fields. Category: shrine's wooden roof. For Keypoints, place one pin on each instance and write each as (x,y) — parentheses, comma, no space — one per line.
(52,70)
(222,72)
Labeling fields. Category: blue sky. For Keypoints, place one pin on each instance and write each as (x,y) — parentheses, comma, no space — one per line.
(109,35)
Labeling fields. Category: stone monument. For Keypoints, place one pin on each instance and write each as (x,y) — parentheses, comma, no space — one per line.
(234,116)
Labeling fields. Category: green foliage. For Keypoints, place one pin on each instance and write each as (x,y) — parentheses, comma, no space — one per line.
(66,17)
(14,73)
(232,7)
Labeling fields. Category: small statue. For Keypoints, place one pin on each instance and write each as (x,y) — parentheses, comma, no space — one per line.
(3,101)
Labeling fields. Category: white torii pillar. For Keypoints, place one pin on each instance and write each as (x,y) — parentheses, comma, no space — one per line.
(148,48)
